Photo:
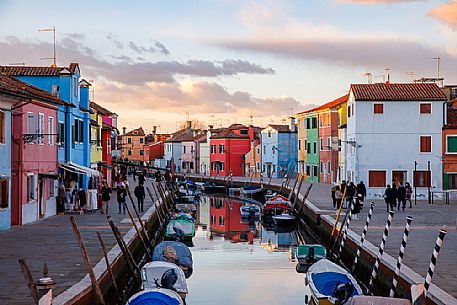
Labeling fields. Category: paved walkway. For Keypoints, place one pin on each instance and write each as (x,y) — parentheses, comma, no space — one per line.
(52,241)
(428,219)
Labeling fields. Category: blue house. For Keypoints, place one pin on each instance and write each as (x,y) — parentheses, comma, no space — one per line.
(279,149)
(73,127)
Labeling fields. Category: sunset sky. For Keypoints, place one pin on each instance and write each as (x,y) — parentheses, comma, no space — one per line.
(224,60)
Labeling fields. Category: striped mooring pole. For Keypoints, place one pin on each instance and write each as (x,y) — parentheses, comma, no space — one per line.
(385,234)
(362,239)
(345,230)
(431,267)
(409,220)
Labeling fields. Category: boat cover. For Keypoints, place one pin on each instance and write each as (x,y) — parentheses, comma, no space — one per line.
(182,252)
(186,226)
(370,300)
(326,282)
(154,271)
(155,297)
(319,250)
(250,189)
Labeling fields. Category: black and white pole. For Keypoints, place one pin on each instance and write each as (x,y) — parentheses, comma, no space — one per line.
(409,220)
(345,230)
(364,233)
(431,267)
(385,234)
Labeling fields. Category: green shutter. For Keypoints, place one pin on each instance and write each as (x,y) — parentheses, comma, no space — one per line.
(445,181)
(452,144)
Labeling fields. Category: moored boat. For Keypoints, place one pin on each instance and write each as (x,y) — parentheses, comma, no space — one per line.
(156,296)
(309,254)
(330,284)
(179,254)
(373,300)
(250,210)
(284,220)
(180,229)
(212,188)
(159,274)
(254,192)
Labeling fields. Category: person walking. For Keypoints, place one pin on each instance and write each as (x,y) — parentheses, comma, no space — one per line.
(106,192)
(361,192)
(394,194)
(121,194)
(333,191)
(141,179)
(350,193)
(338,196)
(389,198)
(140,195)
(409,194)
(401,194)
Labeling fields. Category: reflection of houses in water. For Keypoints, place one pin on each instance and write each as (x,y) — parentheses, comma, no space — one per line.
(225,218)
(273,241)
(203,211)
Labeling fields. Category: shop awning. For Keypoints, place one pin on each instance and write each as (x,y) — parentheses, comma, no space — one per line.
(105,165)
(49,175)
(79,169)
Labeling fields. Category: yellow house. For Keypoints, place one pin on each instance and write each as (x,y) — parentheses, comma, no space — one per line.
(95,139)
(342,132)
(302,153)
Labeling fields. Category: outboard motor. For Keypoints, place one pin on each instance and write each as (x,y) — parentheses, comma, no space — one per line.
(343,291)
(179,233)
(311,255)
(169,279)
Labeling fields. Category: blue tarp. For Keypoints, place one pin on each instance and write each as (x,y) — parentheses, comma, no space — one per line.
(182,252)
(326,282)
(153,298)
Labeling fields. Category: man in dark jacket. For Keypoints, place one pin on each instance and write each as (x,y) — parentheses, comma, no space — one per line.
(121,194)
(140,195)
(106,196)
(401,196)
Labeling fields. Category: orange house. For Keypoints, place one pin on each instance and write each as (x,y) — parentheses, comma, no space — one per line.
(132,144)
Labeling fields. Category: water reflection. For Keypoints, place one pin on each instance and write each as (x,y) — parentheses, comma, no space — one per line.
(238,261)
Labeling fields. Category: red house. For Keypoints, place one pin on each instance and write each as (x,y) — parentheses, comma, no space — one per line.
(449,147)
(229,147)
(225,218)
(33,154)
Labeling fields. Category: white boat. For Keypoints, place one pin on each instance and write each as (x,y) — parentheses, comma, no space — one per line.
(157,296)
(154,275)
(284,219)
(371,300)
(330,284)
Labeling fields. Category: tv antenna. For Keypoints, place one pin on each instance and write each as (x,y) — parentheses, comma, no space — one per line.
(369,77)
(53,30)
(438,59)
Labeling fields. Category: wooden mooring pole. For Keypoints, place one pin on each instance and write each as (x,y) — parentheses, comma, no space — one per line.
(145,237)
(29,279)
(119,299)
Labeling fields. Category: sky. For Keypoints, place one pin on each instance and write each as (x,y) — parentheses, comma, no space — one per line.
(225,61)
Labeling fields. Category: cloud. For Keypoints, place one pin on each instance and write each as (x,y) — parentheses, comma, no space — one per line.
(76,36)
(377,1)
(115,40)
(125,70)
(157,48)
(161,48)
(446,13)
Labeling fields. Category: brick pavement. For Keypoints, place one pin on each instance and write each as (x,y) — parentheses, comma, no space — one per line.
(52,241)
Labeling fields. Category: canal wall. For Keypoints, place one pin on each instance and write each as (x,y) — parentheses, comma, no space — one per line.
(82,292)
(320,224)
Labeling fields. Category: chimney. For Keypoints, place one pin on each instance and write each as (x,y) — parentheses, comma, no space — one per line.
(292,124)
(210,126)
(154,130)
(84,93)
(189,126)
(124,130)
(251,132)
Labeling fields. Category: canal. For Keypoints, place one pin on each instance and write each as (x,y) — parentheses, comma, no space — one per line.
(241,262)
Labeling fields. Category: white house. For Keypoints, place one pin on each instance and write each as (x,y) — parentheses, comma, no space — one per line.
(204,153)
(394,135)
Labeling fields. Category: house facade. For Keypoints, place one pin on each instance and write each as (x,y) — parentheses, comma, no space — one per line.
(342,140)
(279,149)
(253,161)
(132,144)
(394,134)
(190,157)
(301,141)
(449,147)
(96,148)
(312,150)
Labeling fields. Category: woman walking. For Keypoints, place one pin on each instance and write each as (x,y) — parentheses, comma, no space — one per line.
(389,198)
(409,194)
(121,194)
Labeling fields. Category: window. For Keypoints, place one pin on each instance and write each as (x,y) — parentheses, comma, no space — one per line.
(328,167)
(243,131)
(4,185)
(31,124)
(81,131)
(129,152)
(61,134)
(273,149)
(141,152)
(2,128)
(213,149)
(308,148)
(329,143)
(321,167)
(308,124)
(264,149)
(258,166)
(184,149)
(315,170)
(221,220)
(314,121)
(422,179)
(191,164)
(141,140)
(349,111)
(298,124)
(221,148)
(425,108)
(274,168)
(299,144)
(452,182)
(75,87)
(41,128)
(222,166)
(129,140)
(263,168)
(51,188)
(378,108)
(425,144)
(51,130)
(451,144)
(377,178)
(31,187)
(308,170)
(75,131)
(315,147)
(321,144)
(269,133)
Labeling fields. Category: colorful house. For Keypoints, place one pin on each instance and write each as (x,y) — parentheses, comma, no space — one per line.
(301,135)
(394,134)
(229,147)
(190,156)
(132,144)
(449,147)
(225,218)
(311,143)
(342,140)
(279,149)
(73,120)
(252,161)
(173,147)
(96,148)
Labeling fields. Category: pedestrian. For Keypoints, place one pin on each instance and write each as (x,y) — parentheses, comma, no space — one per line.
(106,192)
(121,194)
(394,194)
(350,193)
(133,174)
(333,190)
(409,193)
(141,179)
(140,195)
(338,196)
(401,194)
(343,186)
(61,197)
(388,198)
(361,191)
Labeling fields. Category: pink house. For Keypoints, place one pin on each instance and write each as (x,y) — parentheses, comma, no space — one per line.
(34,156)
(190,157)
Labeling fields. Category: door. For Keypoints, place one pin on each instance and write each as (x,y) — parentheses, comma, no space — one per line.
(269,170)
(41,199)
(399,176)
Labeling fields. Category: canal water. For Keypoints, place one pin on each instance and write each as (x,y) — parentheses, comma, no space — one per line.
(241,262)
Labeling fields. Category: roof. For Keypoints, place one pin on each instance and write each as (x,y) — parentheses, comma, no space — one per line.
(397,92)
(139,132)
(451,112)
(182,137)
(328,105)
(100,109)
(280,128)
(38,71)
(12,86)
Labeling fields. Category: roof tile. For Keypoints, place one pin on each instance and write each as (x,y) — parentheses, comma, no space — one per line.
(397,92)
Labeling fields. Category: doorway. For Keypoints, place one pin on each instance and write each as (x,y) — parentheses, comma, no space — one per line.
(399,176)
(41,199)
